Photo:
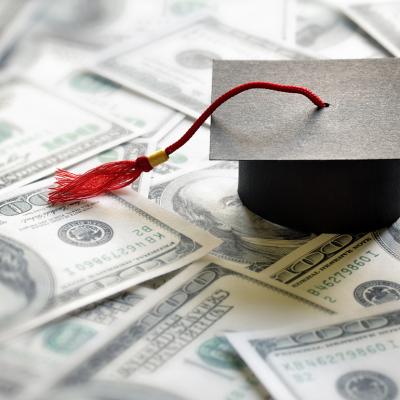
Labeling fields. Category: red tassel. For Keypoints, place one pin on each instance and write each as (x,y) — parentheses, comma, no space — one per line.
(101,179)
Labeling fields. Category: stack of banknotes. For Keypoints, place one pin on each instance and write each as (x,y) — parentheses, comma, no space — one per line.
(170,289)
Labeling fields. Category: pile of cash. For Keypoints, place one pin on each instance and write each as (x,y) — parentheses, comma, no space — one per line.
(170,289)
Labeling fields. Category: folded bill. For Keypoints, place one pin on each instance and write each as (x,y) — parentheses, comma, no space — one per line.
(346,272)
(272,19)
(40,131)
(353,358)
(100,390)
(324,28)
(49,59)
(177,345)
(29,359)
(175,69)
(132,109)
(101,24)
(380,18)
(17,18)
(56,259)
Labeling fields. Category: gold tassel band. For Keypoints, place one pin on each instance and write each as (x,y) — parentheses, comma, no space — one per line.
(157,158)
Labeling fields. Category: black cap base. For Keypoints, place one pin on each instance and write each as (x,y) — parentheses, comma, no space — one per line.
(323,196)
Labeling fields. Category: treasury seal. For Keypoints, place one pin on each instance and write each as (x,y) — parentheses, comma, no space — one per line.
(376,292)
(363,385)
(218,352)
(86,233)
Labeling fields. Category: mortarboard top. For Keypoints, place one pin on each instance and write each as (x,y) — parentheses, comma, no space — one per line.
(333,169)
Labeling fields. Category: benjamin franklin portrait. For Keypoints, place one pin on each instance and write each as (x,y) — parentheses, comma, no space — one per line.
(209,199)
(389,239)
(25,283)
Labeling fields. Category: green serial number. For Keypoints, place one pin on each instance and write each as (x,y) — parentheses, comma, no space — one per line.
(301,370)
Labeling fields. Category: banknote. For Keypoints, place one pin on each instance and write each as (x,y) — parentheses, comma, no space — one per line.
(59,63)
(208,198)
(342,272)
(49,59)
(380,18)
(27,360)
(101,23)
(269,19)
(104,389)
(56,259)
(176,68)
(325,29)
(352,358)
(183,329)
(136,111)
(17,18)
(65,134)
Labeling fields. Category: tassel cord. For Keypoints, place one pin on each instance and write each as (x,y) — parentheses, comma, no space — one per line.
(235,91)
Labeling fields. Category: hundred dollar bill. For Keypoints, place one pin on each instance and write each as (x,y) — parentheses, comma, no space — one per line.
(269,19)
(136,111)
(182,329)
(56,259)
(65,133)
(346,272)
(27,360)
(17,17)
(325,29)
(102,24)
(100,390)
(59,64)
(353,358)
(380,18)
(175,69)
(48,59)
(208,198)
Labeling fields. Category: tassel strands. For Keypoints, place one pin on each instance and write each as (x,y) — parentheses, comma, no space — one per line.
(105,177)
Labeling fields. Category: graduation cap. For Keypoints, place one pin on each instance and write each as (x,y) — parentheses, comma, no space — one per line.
(320,170)
(316,169)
